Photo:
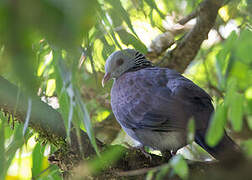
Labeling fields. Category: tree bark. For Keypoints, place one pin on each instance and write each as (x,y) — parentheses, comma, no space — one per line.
(187,48)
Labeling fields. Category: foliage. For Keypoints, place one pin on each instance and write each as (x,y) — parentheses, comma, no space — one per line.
(57,50)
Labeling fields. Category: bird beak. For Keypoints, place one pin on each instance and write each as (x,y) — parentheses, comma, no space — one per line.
(105,79)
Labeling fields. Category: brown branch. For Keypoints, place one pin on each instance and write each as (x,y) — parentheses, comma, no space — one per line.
(46,121)
(189,17)
(187,48)
(43,117)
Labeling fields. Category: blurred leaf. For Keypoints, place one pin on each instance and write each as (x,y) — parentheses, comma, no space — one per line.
(236,112)
(223,12)
(107,49)
(247,146)
(28,115)
(54,173)
(180,166)
(16,143)
(151,18)
(2,144)
(108,158)
(216,127)
(37,159)
(243,47)
(249,120)
(230,90)
(223,59)
(190,131)
(128,39)
(87,122)
(117,20)
(122,13)
(242,73)
(104,19)
(149,175)
(63,23)
(66,77)
(163,172)
(153,5)
(234,102)
(50,87)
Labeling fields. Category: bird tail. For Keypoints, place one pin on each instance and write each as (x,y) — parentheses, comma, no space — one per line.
(225,149)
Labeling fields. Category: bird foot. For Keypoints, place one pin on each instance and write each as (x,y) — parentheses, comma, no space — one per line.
(141,148)
(167,155)
(146,154)
(173,153)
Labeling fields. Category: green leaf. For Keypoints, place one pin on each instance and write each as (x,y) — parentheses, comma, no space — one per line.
(28,114)
(243,47)
(190,131)
(87,122)
(15,144)
(236,111)
(104,19)
(2,144)
(117,20)
(242,73)
(107,49)
(223,59)
(122,13)
(180,166)
(128,39)
(108,158)
(216,128)
(230,90)
(149,175)
(153,5)
(247,146)
(66,77)
(249,120)
(37,159)
(163,172)
(234,102)
(151,18)
(55,173)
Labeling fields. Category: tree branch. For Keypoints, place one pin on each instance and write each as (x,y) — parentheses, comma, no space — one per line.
(43,117)
(189,17)
(46,121)
(187,48)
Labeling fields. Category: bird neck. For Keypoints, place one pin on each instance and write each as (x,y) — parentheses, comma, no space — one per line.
(140,63)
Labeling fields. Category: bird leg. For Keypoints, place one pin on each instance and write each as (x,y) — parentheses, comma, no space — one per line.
(173,153)
(141,148)
(168,154)
(146,154)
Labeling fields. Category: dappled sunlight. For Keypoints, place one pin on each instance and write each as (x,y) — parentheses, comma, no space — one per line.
(145,31)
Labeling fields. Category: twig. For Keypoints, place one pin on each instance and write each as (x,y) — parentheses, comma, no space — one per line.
(219,92)
(141,171)
(189,17)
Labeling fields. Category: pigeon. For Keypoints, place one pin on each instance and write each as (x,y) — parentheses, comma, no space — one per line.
(153,105)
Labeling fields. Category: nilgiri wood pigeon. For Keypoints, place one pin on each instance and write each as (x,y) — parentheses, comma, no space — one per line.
(153,105)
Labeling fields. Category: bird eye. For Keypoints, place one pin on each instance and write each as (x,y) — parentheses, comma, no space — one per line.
(119,62)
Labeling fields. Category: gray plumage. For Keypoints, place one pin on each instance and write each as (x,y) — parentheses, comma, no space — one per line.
(153,105)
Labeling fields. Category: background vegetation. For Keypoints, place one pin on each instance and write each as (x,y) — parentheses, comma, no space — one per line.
(54,51)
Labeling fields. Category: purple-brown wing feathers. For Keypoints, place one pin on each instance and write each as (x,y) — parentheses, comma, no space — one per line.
(157,99)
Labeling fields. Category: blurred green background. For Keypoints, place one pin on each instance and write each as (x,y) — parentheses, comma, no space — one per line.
(57,50)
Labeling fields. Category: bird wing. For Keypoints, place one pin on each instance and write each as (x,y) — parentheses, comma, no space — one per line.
(157,99)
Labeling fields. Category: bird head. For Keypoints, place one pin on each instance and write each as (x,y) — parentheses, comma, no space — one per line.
(122,61)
